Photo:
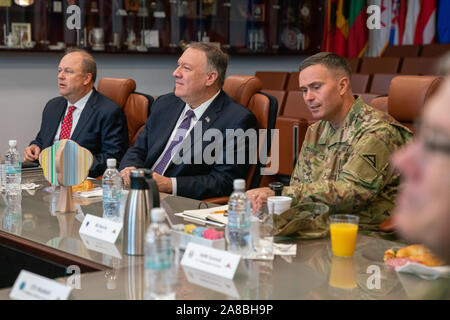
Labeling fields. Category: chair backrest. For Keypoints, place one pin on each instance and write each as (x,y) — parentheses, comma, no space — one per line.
(435,49)
(280,95)
(381,82)
(367,97)
(379,65)
(420,66)
(412,50)
(360,82)
(380,103)
(273,80)
(293,81)
(407,96)
(241,88)
(117,89)
(136,110)
(264,107)
(354,64)
(295,107)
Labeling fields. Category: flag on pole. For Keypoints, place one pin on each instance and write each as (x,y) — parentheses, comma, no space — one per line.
(336,27)
(398,22)
(426,23)
(379,38)
(443,22)
(411,21)
(357,29)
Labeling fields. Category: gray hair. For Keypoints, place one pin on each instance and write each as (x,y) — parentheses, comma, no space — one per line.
(216,59)
(88,63)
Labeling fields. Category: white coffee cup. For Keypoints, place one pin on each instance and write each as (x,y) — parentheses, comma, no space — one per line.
(278,204)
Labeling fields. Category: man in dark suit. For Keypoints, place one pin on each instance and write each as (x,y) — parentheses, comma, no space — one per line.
(82,114)
(174,142)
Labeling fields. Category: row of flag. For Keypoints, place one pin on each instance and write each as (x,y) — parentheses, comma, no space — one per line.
(402,22)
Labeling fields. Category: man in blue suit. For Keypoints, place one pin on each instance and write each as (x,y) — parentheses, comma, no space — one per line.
(82,114)
(179,124)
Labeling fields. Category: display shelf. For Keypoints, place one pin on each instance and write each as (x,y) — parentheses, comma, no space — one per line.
(243,27)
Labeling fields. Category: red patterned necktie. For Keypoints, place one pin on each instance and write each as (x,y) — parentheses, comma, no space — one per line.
(66,126)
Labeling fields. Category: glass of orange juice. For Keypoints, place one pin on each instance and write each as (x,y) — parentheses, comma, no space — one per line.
(343,230)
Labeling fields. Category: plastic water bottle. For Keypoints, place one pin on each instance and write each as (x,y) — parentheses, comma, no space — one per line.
(159,279)
(13,172)
(2,175)
(112,191)
(238,228)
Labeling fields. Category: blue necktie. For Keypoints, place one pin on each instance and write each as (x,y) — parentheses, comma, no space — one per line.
(177,139)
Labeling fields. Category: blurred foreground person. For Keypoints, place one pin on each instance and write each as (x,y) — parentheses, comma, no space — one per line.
(422,213)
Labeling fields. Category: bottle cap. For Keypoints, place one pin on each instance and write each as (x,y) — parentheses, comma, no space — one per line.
(12,143)
(111,163)
(158,214)
(239,184)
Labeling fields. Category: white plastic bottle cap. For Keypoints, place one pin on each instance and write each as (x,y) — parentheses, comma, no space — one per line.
(12,143)
(158,214)
(239,184)
(111,162)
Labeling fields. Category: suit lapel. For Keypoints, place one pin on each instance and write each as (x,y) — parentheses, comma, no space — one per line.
(207,119)
(88,109)
(53,125)
(164,129)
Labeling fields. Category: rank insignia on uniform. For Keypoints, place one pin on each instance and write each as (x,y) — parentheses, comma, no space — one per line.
(207,119)
(372,159)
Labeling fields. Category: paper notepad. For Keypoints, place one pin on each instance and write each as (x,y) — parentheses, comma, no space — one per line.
(209,214)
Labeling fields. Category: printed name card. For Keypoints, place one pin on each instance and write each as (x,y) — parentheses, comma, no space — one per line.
(101,246)
(99,228)
(218,262)
(30,286)
(210,281)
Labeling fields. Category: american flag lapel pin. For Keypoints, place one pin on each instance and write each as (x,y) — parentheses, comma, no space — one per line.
(207,119)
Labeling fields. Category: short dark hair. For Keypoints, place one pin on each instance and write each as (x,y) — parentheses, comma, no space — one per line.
(331,61)
(88,64)
(216,59)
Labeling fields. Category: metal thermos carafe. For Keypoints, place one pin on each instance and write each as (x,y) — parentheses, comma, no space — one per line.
(143,196)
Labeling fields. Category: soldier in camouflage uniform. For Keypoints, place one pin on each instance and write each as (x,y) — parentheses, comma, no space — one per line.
(344,160)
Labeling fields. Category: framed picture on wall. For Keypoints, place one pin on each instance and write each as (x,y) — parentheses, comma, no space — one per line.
(22,31)
(259,12)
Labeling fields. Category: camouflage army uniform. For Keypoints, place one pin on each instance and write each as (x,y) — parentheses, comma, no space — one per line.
(348,168)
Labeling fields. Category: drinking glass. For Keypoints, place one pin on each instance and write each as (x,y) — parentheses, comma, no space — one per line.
(343,230)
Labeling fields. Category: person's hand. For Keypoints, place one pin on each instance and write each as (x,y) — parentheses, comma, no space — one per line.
(164,183)
(258,197)
(125,175)
(31,153)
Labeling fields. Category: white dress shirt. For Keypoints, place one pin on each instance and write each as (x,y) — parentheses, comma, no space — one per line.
(198,112)
(80,104)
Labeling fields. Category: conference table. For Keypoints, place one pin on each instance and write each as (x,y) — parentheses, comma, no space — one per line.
(36,238)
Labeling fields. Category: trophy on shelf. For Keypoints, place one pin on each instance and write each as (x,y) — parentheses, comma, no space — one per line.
(66,164)
(96,39)
(131,40)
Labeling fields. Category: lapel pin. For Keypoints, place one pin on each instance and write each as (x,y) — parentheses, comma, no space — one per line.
(207,119)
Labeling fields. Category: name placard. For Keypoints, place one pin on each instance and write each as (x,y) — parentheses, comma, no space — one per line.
(210,281)
(218,262)
(30,286)
(101,246)
(100,228)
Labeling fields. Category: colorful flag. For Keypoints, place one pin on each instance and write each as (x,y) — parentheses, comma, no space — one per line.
(426,23)
(379,38)
(411,21)
(336,27)
(443,22)
(357,29)
(398,22)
